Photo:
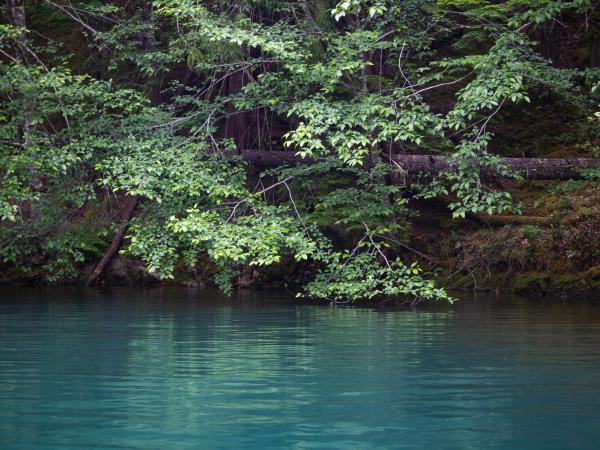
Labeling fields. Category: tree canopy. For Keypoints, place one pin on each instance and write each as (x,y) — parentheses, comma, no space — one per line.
(157,101)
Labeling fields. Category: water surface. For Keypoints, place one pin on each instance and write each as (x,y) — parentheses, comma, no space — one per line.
(187,369)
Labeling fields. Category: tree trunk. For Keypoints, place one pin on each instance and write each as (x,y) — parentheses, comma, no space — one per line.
(237,123)
(127,212)
(148,43)
(530,168)
(16,13)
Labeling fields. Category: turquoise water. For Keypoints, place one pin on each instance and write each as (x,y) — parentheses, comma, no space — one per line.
(186,369)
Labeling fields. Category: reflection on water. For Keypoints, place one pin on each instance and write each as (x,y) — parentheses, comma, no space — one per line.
(179,369)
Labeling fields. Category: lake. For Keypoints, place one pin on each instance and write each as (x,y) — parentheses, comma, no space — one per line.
(189,369)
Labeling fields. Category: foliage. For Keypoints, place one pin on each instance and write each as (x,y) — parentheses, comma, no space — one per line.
(164,94)
(346,277)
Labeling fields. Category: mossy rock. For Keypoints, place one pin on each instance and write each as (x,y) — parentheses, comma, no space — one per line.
(547,282)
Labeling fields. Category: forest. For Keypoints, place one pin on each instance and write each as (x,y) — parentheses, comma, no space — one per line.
(344,150)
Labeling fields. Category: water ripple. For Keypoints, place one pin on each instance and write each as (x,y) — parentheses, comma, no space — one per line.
(181,369)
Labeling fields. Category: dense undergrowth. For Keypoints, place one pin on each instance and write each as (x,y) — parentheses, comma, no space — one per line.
(552,247)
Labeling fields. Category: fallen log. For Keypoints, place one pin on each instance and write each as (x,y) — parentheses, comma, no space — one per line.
(127,212)
(530,168)
(495,220)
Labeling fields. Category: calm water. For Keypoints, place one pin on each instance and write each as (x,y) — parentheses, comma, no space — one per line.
(185,369)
